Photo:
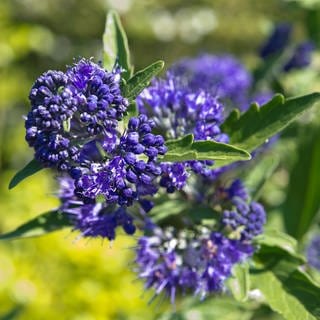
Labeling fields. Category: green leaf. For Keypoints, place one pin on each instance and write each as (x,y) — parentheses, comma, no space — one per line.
(272,239)
(279,275)
(141,79)
(115,46)
(167,208)
(179,149)
(289,291)
(211,308)
(44,223)
(252,128)
(180,144)
(239,282)
(185,149)
(211,150)
(31,168)
(201,214)
(258,174)
(303,195)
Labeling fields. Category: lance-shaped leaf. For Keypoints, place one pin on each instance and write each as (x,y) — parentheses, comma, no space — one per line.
(211,150)
(278,241)
(303,196)
(115,46)
(259,173)
(185,149)
(239,282)
(141,79)
(284,284)
(31,168)
(255,126)
(42,224)
(252,128)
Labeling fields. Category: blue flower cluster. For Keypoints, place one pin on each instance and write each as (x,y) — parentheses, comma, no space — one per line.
(74,127)
(198,259)
(194,258)
(122,176)
(70,109)
(110,166)
(221,75)
(178,264)
(178,110)
(279,41)
(96,219)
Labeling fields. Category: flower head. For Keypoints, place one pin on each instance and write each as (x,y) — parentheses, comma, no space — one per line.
(301,57)
(277,41)
(181,263)
(221,75)
(96,219)
(178,110)
(71,109)
(128,172)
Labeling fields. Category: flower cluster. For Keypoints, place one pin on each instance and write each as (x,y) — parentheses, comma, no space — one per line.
(123,177)
(177,263)
(279,42)
(70,109)
(179,110)
(110,166)
(246,219)
(198,259)
(93,219)
(74,127)
(223,76)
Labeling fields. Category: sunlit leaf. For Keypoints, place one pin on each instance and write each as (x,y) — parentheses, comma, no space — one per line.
(42,224)
(254,127)
(303,196)
(185,149)
(31,168)
(115,46)
(141,79)
(239,282)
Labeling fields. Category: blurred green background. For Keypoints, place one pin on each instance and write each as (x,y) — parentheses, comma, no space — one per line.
(60,276)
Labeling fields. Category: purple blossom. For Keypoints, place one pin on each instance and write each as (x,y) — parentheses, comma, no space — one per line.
(127,173)
(247,219)
(96,219)
(221,75)
(178,264)
(70,109)
(277,41)
(301,57)
(178,110)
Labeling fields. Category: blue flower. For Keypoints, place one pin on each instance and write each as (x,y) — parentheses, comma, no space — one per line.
(129,171)
(221,75)
(96,219)
(278,40)
(71,109)
(178,263)
(301,57)
(241,216)
(178,110)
